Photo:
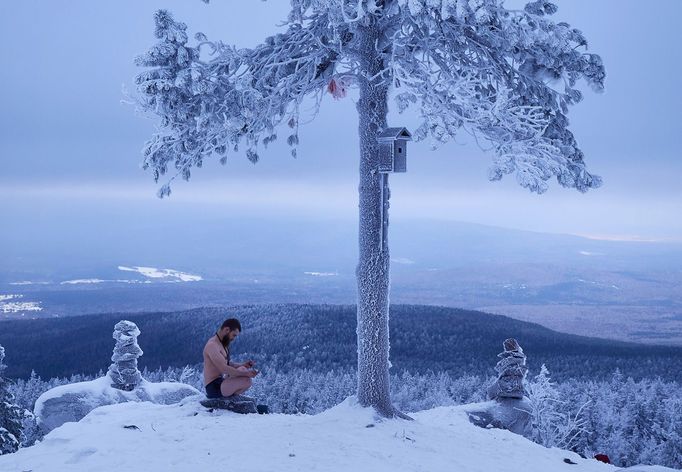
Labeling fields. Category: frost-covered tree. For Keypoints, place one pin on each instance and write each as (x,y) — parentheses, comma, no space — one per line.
(12,416)
(551,425)
(31,389)
(188,374)
(671,452)
(123,371)
(466,66)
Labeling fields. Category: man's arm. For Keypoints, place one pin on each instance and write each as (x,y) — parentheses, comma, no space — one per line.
(218,360)
(248,364)
(239,372)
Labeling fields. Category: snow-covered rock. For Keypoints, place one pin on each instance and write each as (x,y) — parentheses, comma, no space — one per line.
(512,414)
(186,436)
(72,402)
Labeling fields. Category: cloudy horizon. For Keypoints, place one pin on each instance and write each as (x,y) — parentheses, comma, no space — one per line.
(68,141)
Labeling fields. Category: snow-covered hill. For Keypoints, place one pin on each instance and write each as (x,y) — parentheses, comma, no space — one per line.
(148,437)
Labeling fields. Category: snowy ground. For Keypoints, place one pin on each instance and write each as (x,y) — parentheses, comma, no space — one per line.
(149,437)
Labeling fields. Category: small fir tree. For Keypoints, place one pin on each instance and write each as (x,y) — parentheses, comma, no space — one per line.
(11,415)
(31,389)
(551,425)
(671,451)
(188,375)
(123,371)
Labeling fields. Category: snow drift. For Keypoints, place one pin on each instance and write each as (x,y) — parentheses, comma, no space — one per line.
(185,436)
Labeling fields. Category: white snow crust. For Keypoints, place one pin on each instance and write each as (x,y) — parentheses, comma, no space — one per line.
(322,274)
(185,436)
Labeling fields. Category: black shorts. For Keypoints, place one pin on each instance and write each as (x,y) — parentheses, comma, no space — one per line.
(213,388)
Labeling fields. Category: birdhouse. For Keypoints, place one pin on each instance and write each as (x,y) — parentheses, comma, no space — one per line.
(393,150)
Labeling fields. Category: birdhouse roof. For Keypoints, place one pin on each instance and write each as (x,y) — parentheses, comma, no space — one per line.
(390,134)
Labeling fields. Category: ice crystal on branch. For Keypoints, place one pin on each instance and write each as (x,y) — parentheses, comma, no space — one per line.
(551,426)
(467,65)
(505,76)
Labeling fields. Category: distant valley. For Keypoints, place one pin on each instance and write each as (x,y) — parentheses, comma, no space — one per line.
(620,290)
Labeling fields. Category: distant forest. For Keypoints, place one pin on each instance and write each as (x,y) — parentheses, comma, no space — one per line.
(322,337)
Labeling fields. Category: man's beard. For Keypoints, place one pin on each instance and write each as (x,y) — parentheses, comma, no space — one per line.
(225,341)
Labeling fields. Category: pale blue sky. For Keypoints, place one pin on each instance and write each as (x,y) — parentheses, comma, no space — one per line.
(66,140)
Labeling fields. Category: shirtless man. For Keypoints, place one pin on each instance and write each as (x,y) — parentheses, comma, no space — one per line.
(222,377)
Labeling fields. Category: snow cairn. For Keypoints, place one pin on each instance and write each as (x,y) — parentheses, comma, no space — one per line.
(509,407)
(511,372)
(123,370)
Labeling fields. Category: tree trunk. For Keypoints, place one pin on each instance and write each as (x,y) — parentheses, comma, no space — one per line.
(374,263)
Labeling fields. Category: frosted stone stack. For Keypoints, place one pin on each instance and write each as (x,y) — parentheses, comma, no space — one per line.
(511,371)
(123,372)
(510,408)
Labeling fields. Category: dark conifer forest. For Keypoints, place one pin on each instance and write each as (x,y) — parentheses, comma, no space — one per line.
(322,337)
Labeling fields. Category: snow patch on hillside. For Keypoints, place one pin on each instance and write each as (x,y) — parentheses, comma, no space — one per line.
(598,284)
(9,304)
(322,274)
(82,281)
(154,273)
(102,281)
(513,286)
(28,282)
(402,260)
(185,436)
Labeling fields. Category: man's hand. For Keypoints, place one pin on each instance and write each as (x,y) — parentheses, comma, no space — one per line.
(248,364)
(251,373)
